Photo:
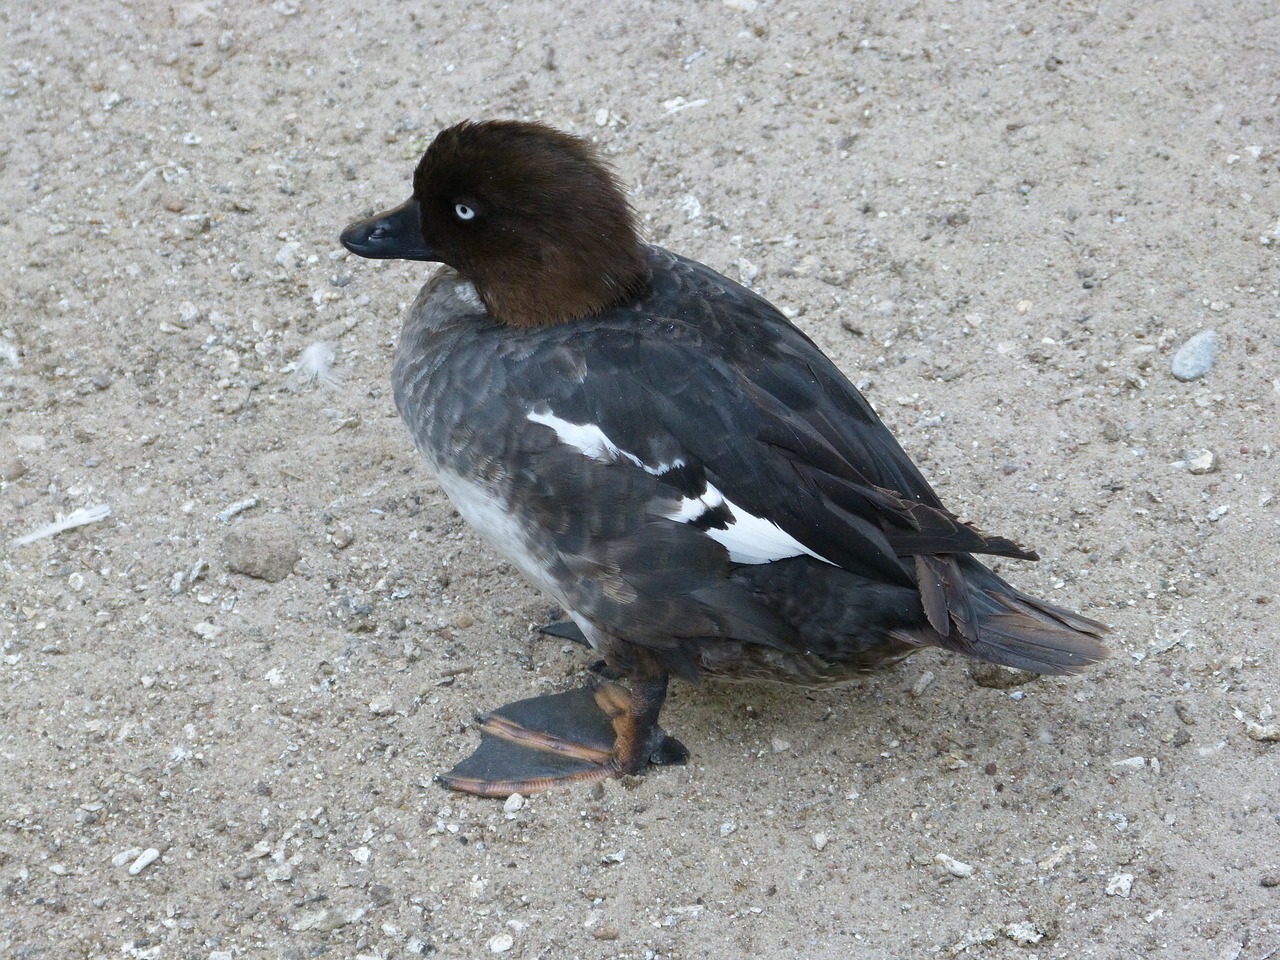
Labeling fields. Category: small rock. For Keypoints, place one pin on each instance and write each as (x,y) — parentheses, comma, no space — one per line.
(12,470)
(820,841)
(289,254)
(1120,885)
(606,931)
(513,803)
(380,708)
(237,508)
(1200,462)
(1131,763)
(265,548)
(922,683)
(188,313)
(206,630)
(501,943)
(1023,933)
(1195,357)
(126,856)
(957,868)
(325,921)
(779,745)
(1262,732)
(145,859)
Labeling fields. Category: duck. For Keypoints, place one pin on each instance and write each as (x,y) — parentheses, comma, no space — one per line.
(668,458)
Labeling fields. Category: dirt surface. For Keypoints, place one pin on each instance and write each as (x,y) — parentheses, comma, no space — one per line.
(1002,220)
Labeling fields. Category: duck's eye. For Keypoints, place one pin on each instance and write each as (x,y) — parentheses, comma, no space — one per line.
(463,212)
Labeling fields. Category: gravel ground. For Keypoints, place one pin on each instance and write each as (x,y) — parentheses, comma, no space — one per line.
(222,705)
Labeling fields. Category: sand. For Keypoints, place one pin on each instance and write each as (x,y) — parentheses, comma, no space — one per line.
(1001,220)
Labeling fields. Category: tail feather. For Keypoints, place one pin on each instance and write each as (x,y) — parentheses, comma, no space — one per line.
(1021,631)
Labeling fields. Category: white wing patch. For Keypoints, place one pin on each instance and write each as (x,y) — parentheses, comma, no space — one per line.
(590,441)
(748,538)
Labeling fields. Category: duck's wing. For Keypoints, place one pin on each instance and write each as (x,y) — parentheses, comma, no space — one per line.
(762,442)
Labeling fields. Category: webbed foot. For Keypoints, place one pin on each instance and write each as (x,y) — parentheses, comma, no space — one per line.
(580,736)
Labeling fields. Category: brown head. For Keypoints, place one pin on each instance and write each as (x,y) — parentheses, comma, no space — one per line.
(531,216)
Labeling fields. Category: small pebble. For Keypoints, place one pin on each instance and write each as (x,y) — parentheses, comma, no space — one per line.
(820,841)
(501,943)
(1195,357)
(325,921)
(779,745)
(126,856)
(206,631)
(1120,885)
(957,868)
(145,859)
(1262,732)
(1139,763)
(513,803)
(237,508)
(606,931)
(1023,933)
(922,683)
(1200,462)
(288,255)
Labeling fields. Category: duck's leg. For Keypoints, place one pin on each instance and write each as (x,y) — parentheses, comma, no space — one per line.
(581,736)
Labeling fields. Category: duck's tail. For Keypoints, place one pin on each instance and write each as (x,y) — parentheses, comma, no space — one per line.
(986,618)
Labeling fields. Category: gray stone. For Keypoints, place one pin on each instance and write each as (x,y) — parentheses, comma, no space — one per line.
(1195,357)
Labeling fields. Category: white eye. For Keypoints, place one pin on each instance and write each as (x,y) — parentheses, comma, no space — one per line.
(463,212)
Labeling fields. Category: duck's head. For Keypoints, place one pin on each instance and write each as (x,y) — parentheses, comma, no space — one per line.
(529,215)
